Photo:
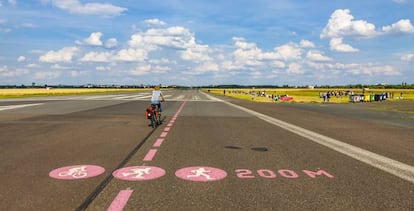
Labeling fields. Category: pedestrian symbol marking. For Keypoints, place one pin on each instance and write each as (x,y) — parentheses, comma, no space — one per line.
(201,174)
(138,173)
(76,172)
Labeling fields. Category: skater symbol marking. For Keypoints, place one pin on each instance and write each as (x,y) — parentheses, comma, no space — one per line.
(138,173)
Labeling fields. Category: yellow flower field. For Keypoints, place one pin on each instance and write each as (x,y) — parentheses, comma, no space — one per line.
(310,95)
(32,92)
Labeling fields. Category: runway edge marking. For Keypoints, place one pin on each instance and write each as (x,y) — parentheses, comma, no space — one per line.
(396,168)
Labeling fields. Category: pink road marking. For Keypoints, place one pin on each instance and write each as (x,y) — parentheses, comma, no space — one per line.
(150,155)
(139,173)
(76,172)
(164,134)
(201,174)
(167,129)
(158,142)
(170,124)
(120,200)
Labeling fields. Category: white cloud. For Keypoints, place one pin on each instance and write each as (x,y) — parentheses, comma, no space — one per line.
(154,22)
(402,26)
(131,55)
(12,2)
(21,59)
(59,67)
(47,75)
(307,44)
(141,70)
(63,55)
(76,7)
(400,1)
(372,69)
(317,56)
(5,72)
(207,67)
(32,65)
(111,43)
(337,45)
(408,57)
(94,39)
(97,57)
(342,23)
(290,51)
(103,68)
(3,69)
(295,68)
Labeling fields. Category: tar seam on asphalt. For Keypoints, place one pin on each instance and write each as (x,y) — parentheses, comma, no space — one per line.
(108,179)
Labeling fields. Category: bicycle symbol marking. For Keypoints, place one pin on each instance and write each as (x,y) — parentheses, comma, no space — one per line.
(76,172)
(139,173)
(201,174)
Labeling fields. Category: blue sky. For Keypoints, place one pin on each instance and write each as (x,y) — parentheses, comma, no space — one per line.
(208,42)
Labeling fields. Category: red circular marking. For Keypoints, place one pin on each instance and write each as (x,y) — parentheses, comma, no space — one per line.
(201,174)
(76,172)
(138,173)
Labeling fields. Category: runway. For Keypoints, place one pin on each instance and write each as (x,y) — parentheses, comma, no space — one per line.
(96,152)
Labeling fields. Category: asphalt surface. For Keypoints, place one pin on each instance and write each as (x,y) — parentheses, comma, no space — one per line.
(209,154)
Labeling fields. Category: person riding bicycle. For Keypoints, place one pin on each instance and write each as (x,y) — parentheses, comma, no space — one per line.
(156,100)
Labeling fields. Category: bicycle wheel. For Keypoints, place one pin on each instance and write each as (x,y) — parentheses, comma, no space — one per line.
(153,120)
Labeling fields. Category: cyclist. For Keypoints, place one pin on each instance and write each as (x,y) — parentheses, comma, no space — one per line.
(156,100)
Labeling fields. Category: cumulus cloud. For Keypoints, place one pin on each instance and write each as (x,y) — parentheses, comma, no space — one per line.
(47,75)
(141,70)
(76,7)
(372,69)
(21,59)
(408,57)
(94,39)
(97,57)
(5,72)
(402,26)
(63,55)
(131,55)
(317,56)
(307,44)
(342,23)
(336,44)
(290,51)
(12,2)
(295,68)
(111,43)
(400,1)
(154,22)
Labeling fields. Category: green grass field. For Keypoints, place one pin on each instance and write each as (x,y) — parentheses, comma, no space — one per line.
(310,95)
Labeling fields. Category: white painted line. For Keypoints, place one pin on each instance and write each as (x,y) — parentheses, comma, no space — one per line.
(121,97)
(399,169)
(97,97)
(18,106)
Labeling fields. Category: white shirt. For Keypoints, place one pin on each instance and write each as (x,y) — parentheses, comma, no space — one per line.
(156,96)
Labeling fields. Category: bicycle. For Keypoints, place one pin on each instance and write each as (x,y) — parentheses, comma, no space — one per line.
(153,115)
